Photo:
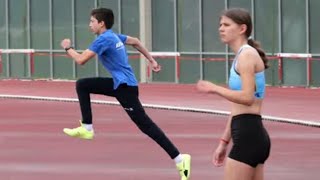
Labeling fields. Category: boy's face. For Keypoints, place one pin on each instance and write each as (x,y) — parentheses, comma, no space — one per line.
(95,26)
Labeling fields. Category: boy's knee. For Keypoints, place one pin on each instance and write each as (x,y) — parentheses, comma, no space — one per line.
(80,84)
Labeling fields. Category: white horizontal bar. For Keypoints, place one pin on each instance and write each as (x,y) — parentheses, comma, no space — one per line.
(8,51)
(165,53)
(294,55)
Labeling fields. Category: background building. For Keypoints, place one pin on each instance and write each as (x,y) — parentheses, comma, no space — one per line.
(189,27)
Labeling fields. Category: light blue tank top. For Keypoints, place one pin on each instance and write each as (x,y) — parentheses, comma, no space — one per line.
(235,79)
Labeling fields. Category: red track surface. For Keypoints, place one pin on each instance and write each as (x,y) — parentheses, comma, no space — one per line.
(296,103)
(33,146)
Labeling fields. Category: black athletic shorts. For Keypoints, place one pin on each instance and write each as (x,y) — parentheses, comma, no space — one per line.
(251,142)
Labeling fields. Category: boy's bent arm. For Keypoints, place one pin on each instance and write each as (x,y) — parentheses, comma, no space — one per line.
(136,43)
(82,58)
(79,58)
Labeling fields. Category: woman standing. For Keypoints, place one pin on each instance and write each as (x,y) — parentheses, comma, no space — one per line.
(251,143)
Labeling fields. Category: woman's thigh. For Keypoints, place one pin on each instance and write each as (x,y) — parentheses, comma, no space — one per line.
(236,170)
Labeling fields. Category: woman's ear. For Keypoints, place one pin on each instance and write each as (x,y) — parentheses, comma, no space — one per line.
(243,28)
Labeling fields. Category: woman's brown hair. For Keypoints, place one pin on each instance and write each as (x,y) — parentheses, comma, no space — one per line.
(242,16)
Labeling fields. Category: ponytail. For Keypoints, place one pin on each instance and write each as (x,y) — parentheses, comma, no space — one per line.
(261,52)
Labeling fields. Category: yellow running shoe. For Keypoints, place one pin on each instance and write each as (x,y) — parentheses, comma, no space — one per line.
(184,167)
(79,132)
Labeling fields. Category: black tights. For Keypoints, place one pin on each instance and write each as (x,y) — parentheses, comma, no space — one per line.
(128,97)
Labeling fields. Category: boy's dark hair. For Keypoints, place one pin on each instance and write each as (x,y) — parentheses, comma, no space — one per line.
(105,15)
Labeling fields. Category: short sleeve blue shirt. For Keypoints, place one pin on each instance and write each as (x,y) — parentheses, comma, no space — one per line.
(112,52)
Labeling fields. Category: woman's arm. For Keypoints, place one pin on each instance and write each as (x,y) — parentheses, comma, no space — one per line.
(246,67)
(226,136)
